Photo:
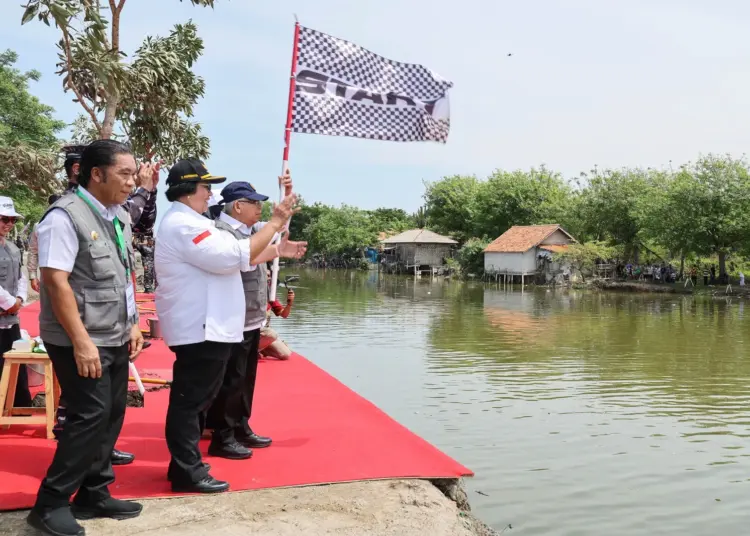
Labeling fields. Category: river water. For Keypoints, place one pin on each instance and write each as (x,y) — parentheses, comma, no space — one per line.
(581,413)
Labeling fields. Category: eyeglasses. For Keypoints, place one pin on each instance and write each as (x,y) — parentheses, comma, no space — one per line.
(206,186)
(252,202)
(8,219)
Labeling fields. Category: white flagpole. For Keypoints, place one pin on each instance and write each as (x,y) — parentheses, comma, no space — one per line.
(285,160)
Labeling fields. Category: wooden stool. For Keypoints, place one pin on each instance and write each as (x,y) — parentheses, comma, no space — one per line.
(8,413)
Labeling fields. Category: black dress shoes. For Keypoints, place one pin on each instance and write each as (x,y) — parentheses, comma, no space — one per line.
(231,450)
(55,522)
(207,485)
(111,508)
(122,458)
(146,344)
(253,440)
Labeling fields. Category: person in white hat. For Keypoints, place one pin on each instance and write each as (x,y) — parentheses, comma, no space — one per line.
(13,285)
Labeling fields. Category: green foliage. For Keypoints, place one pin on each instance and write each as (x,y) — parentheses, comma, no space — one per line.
(344,230)
(27,203)
(583,257)
(607,207)
(160,94)
(449,206)
(470,257)
(390,220)
(420,218)
(341,230)
(520,198)
(151,97)
(28,142)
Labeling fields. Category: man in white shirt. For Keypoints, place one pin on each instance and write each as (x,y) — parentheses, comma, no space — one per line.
(89,324)
(229,415)
(200,304)
(13,289)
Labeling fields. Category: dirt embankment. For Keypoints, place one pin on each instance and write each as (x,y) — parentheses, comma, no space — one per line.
(377,508)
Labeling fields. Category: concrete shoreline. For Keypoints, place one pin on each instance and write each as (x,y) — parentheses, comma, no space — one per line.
(375,507)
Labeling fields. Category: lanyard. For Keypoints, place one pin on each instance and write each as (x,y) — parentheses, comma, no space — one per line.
(119,238)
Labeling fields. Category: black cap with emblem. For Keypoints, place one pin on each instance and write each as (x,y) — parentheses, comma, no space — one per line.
(191,170)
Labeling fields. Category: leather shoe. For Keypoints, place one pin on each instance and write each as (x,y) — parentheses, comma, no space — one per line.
(146,344)
(122,458)
(207,485)
(253,440)
(110,507)
(231,450)
(55,522)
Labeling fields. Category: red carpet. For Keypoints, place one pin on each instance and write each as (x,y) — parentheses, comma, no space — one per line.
(323,432)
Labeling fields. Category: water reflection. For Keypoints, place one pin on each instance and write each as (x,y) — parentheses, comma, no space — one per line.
(582,413)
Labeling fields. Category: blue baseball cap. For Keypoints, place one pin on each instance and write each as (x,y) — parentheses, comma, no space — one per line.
(240,190)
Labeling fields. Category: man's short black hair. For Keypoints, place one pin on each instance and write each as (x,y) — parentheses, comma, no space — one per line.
(101,153)
(174,192)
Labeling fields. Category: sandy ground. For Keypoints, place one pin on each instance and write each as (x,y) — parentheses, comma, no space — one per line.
(378,508)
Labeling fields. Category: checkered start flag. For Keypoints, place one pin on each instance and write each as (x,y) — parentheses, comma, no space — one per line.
(342,89)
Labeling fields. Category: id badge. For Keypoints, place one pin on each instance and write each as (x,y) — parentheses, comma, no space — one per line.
(130,298)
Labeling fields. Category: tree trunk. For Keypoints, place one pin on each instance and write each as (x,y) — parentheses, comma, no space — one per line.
(722,263)
(682,264)
(110,111)
(113,98)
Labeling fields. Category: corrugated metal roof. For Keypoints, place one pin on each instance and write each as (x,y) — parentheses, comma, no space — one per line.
(419,236)
(521,238)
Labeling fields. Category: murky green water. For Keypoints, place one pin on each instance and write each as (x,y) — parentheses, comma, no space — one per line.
(581,413)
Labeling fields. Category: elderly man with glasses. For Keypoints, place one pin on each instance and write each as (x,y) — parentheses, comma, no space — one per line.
(229,415)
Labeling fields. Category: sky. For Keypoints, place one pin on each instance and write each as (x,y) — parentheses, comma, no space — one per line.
(611,84)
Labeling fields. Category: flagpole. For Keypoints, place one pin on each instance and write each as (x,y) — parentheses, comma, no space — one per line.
(287,142)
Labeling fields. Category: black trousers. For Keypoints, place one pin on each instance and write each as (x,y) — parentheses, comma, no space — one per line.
(231,410)
(95,412)
(197,375)
(7,337)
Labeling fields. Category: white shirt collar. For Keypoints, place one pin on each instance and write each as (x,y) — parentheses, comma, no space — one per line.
(234,224)
(182,207)
(108,213)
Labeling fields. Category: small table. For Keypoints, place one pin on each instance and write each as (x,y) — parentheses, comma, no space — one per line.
(12,415)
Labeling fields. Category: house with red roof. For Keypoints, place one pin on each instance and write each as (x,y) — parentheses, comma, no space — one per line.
(526,250)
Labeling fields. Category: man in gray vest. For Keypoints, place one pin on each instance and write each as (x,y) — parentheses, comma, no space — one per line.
(13,288)
(89,325)
(230,412)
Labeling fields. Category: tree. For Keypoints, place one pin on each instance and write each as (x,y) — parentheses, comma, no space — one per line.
(449,205)
(420,218)
(470,257)
(344,230)
(608,208)
(393,220)
(27,136)
(712,196)
(583,257)
(662,215)
(152,97)
(519,198)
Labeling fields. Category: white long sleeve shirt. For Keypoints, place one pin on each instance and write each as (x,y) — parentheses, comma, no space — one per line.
(200,295)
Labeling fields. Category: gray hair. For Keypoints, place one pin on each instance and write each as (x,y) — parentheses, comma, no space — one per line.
(228,208)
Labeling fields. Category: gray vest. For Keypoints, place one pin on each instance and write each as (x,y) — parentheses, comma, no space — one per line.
(98,278)
(255,284)
(10,273)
